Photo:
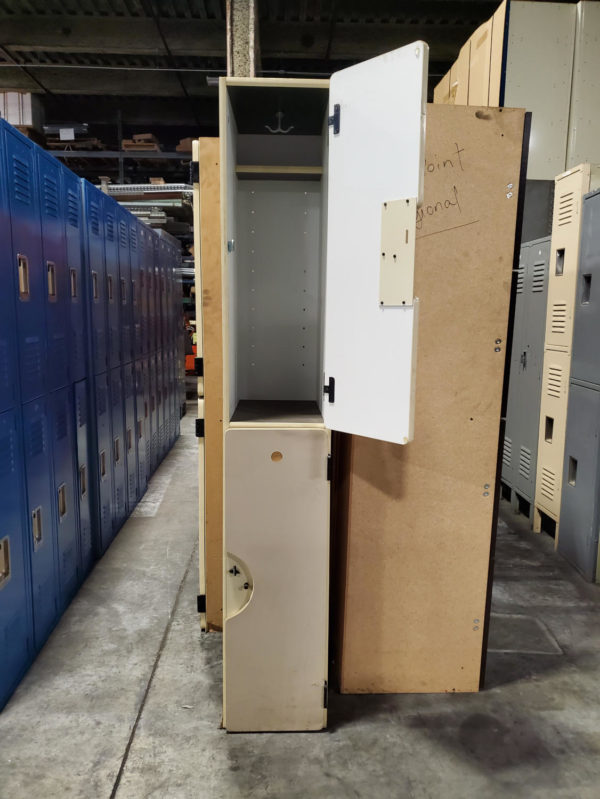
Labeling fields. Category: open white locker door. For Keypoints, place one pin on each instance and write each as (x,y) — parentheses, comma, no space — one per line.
(376,167)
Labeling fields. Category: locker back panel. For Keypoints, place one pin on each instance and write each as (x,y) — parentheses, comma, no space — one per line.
(54,267)
(26,263)
(141,427)
(16,631)
(8,340)
(105,459)
(83,486)
(96,277)
(130,442)
(275,613)
(125,272)
(586,333)
(578,541)
(64,497)
(113,302)
(118,450)
(40,520)
(71,202)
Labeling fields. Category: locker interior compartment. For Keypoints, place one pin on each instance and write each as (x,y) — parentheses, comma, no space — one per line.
(275,201)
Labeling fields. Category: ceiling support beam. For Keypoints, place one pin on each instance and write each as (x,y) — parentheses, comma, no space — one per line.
(243,45)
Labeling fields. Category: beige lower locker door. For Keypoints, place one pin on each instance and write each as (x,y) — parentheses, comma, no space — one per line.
(276,538)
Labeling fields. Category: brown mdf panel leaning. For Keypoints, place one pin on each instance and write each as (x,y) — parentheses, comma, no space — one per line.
(414,522)
(210,249)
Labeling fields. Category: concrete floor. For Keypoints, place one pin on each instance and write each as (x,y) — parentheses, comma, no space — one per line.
(124,700)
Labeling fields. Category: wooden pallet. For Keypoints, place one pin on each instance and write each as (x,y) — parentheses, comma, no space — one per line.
(140,146)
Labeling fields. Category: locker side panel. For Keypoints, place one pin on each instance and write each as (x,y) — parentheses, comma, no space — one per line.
(104,455)
(71,202)
(276,596)
(8,339)
(54,267)
(96,277)
(16,626)
(118,456)
(586,332)
(578,541)
(113,303)
(86,544)
(41,527)
(127,251)
(130,442)
(26,261)
(148,415)
(141,414)
(142,322)
(64,497)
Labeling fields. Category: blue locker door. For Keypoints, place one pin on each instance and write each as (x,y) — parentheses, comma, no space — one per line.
(16,624)
(26,262)
(118,449)
(141,415)
(104,455)
(64,495)
(113,300)
(41,527)
(8,340)
(86,544)
(125,271)
(147,415)
(153,413)
(150,272)
(160,406)
(96,276)
(131,454)
(55,269)
(141,335)
(71,203)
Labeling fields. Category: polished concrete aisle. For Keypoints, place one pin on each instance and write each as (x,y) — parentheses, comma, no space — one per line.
(124,701)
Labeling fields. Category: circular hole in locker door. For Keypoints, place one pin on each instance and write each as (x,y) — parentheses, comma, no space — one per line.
(276,456)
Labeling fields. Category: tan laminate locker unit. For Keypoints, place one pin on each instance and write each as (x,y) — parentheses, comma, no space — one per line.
(459,77)
(301,213)
(441,93)
(479,65)
(570,187)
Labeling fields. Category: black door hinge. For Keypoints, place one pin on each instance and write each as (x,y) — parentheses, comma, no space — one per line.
(329,389)
(335,118)
(199,428)
(329,467)
(201,603)
(199,367)
(194,172)
(325,694)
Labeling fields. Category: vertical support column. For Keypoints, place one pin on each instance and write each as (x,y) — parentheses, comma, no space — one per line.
(243,46)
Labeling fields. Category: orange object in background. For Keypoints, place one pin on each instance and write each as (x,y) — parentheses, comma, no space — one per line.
(189,360)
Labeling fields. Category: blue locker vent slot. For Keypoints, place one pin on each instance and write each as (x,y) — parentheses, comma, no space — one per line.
(50,197)
(22,181)
(35,439)
(123,234)
(95,218)
(72,208)
(81,411)
(110,227)
(5,371)
(101,400)
(133,234)
(7,455)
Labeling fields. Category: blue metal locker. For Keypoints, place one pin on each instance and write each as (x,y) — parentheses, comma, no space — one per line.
(153,413)
(16,623)
(142,422)
(26,263)
(127,253)
(104,460)
(160,389)
(8,339)
(119,509)
(147,414)
(142,332)
(56,277)
(86,543)
(152,254)
(162,284)
(96,274)
(41,527)
(111,259)
(60,406)
(71,203)
(131,454)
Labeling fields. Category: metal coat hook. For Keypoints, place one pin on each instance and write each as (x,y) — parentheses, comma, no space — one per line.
(279,129)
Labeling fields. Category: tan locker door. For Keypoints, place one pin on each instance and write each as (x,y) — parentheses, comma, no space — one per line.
(276,579)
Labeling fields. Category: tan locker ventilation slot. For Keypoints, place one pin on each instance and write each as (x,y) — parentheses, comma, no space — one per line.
(565,208)
(548,485)
(520,279)
(559,317)
(555,375)
(507,452)
(538,277)
(525,463)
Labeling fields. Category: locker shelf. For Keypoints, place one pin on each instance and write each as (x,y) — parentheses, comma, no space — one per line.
(304,412)
(256,172)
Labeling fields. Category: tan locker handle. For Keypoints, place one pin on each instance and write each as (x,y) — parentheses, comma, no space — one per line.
(62,501)
(51,269)
(95,285)
(73,273)
(82,480)
(117,449)
(23,267)
(109,283)
(4,561)
(133,293)
(36,525)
